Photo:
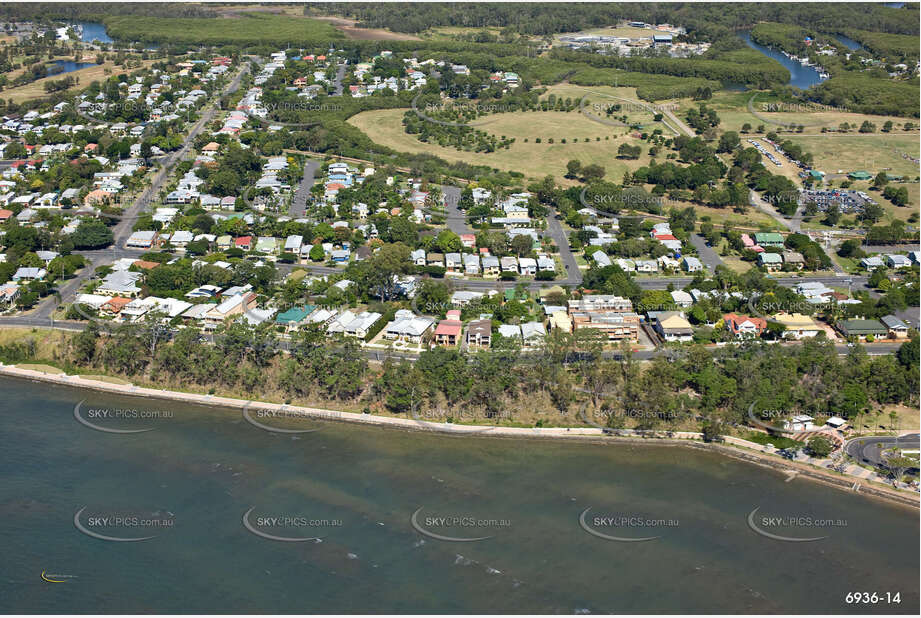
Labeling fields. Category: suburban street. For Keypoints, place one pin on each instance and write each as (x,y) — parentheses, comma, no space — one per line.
(707,255)
(299,201)
(454,217)
(573,274)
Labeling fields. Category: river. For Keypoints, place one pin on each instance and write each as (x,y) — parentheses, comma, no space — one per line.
(188,482)
(848,42)
(800,76)
(94,31)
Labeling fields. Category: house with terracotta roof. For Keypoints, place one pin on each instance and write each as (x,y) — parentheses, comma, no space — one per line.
(98,196)
(743,326)
(243,242)
(448,331)
(114,305)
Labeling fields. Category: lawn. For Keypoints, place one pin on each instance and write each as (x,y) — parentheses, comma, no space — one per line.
(534,160)
(871,152)
(732,108)
(778,441)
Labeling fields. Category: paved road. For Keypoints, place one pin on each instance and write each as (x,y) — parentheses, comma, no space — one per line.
(337,83)
(889,248)
(299,202)
(760,204)
(870,450)
(556,232)
(454,218)
(707,255)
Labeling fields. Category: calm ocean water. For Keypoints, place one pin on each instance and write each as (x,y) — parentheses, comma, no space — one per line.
(189,482)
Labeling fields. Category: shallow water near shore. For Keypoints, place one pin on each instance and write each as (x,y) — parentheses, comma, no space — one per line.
(357,488)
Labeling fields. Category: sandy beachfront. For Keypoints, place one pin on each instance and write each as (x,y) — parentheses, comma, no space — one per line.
(731,446)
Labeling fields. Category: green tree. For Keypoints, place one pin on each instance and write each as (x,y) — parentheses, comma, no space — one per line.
(819,446)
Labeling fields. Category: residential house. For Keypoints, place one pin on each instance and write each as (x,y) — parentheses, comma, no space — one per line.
(743,326)
(454,263)
(794,259)
(232,306)
(600,303)
(407,327)
(352,325)
(691,264)
(479,333)
(490,266)
(533,333)
(872,262)
(528,266)
(770,261)
(896,327)
(120,283)
(682,298)
(601,259)
(448,331)
(862,328)
(8,294)
(769,239)
(509,264)
(672,326)
(471,265)
(798,326)
(295,317)
(894,260)
(142,239)
(29,273)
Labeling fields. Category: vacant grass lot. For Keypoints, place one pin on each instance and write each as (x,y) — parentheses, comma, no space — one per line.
(534,160)
(36,89)
(871,152)
(248,28)
(732,108)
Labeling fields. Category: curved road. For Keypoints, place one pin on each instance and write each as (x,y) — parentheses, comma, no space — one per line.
(870,450)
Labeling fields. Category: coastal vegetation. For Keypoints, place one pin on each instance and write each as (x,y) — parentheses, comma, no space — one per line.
(693,388)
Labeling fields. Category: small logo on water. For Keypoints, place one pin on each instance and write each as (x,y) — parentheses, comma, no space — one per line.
(112,413)
(119,520)
(286,522)
(281,412)
(55,578)
(788,522)
(455,521)
(622,521)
